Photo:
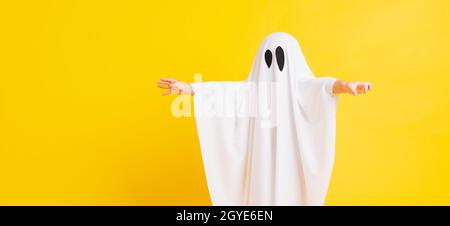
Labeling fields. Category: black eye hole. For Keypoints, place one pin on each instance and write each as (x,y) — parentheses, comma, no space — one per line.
(268,57)
(279,53)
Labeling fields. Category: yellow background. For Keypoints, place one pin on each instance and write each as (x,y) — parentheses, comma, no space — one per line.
(82,122)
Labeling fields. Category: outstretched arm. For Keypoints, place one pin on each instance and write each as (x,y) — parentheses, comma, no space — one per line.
(174,86)
(353,88)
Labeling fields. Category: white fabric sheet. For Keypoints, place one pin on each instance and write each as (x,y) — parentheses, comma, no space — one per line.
(268,140)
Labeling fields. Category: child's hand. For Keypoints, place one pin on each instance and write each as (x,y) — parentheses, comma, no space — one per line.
(356,88)
(174,86)
(353,88)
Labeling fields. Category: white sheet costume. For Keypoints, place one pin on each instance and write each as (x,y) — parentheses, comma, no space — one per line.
(268,140)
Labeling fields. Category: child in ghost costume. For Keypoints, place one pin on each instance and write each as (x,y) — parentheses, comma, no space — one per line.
(269,140)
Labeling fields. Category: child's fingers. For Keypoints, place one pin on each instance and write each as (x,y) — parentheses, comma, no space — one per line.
(364,87)
(166,93)
(163,86)
(367,87)
(360,88)
(169,80)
